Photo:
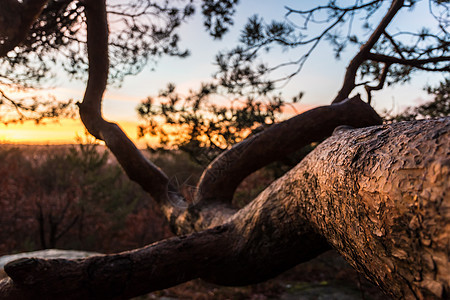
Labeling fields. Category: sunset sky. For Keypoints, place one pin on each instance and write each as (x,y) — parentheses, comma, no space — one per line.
(320,78)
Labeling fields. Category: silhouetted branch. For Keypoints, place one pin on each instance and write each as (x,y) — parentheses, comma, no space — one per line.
(417,63)
(332,7)
(138,168)
(379,86)
(34,108)
(352,69)
(221,178)
(14,104)
(394,44)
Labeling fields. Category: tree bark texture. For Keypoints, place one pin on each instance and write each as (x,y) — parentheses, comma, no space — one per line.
(379,195)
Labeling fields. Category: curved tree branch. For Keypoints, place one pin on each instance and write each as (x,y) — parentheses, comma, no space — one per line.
(217,257)
(379,86)
(183,219)
(221,178)
(361,56)
(137,167)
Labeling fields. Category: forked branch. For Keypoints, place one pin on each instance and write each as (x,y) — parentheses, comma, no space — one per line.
(137,167)
(352,69)
(379,86)
(182,218)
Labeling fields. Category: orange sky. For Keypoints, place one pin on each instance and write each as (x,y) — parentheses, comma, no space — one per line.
(65,131)
(61,132)
(118,107)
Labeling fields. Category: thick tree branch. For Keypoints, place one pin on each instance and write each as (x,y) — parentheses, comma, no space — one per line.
(232,254)
(16,19)
(216,256)
(361,56)
(395,210)
(377,194)
(417,63)
(137,167)
(183,219)
(220,180)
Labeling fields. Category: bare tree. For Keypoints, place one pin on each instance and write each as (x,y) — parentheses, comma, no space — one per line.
(378,195)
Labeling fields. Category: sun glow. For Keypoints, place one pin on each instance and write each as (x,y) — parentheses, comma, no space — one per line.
(63,131)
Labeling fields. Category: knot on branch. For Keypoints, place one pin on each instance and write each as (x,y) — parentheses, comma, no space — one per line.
(342,128)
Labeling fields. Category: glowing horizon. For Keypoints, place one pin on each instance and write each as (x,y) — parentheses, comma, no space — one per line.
(64,131)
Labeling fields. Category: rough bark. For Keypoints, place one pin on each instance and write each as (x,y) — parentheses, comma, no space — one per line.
(392,207)
(379,195)
(46,254)
(220,179)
